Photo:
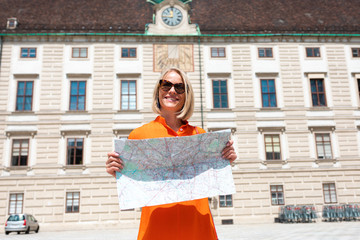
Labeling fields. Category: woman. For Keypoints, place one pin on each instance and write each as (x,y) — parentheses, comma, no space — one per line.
(173,100)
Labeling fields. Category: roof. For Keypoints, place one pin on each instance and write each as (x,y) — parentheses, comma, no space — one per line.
(77,15)
(212,16)
(278,16)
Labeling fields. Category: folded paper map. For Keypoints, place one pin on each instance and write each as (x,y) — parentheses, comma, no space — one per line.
(173,169)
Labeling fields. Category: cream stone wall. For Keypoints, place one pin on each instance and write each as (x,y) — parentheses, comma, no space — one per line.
(252,201)
(291,76)
(47,178)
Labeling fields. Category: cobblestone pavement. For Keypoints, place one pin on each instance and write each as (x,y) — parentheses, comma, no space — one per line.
(308,231)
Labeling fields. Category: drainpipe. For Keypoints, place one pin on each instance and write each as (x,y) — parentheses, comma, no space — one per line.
(201,87)
(1,48)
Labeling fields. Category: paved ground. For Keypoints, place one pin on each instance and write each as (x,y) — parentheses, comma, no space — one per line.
(308,231)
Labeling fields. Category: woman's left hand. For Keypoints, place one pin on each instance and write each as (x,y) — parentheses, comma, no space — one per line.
(229,151)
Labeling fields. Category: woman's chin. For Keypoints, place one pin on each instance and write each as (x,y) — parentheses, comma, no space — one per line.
(171,107)
(170,104)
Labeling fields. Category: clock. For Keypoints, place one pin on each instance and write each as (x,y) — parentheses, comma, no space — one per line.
(172,16)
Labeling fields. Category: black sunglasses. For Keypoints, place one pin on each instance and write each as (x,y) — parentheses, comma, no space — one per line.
(166,85)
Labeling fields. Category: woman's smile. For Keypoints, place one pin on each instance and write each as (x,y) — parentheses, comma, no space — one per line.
(171,99)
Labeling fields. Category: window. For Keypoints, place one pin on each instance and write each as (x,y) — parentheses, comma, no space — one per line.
(28,53)
(72,202)
(323,146)
(16,203)
(312,52)
(75,151)
(79,52)
(225,200)
(355,52)
(128,94)
(268,93)
(128,52)
(77,95)
(218,52)
(329,193)
(318,92)
(24,96)
(272,147)
(220,94)
(277,195)
(20,152)
(227,221)
(11,23)
(265,52)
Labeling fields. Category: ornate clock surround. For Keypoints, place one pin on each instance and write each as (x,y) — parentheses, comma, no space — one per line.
(159,27)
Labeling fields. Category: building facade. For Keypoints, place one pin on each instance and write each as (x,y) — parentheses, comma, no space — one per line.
(283,77)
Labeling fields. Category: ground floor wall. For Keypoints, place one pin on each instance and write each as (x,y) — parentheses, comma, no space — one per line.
(45,197)
(252,201)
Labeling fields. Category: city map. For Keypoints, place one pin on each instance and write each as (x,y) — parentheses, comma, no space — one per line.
(173,169)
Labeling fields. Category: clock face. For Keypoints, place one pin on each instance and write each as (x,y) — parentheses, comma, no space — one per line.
(172,16)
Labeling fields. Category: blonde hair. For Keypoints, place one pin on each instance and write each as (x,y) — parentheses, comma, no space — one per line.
(188,108)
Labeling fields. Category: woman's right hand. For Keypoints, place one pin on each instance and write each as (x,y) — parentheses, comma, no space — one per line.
(114,163)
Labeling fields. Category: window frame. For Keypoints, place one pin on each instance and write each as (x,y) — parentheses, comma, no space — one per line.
(16,203)
(24,96)
(129,50)
(220,94)
(323,146)
(218,52)
(268,93)
(72,201)
(79,48)
(75,149)
(77,96)
(225,201)
(28,53)
(265,53)
(128,95)
(11,23)
(20,150)
(329,192)
(277,195)
(317,92)
(312,52)
(357,50)
(272,145)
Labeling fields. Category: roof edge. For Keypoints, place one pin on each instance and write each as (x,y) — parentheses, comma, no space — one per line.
(189,35)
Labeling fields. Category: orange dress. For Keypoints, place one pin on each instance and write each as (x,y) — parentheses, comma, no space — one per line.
(190,220)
